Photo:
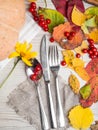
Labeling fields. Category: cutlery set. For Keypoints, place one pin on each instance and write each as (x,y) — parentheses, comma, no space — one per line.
(50,62)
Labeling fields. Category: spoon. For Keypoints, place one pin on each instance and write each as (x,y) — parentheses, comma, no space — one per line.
(35,73)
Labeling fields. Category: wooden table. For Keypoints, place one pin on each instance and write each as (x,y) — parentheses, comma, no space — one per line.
(9,120)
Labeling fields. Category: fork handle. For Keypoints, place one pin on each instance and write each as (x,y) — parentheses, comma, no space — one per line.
(60,112)
(51,106)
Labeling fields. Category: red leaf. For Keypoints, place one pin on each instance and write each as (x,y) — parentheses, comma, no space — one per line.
(60,6)
(65,6)
(70,5)
(92,67)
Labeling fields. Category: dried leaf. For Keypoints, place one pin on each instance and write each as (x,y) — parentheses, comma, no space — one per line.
(85,91)
(93,98)
(94,126)
(92,67)
(60,6)
(55,17)
(80,48)
(74,83)
(82,73)
(58,35)
(94,35)
(76,62)
(81,118)
(78,17)
(70,5)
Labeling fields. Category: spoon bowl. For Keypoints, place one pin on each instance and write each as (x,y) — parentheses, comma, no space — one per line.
(34,73)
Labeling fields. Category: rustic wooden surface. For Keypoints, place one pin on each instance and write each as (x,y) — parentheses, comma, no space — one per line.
(9,120)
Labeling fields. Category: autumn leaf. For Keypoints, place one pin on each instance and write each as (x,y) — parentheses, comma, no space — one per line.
(82,73)
(93,97)
(80,118)
(78,17)
(81,47)
(74,83)
(55,17)
(94,35)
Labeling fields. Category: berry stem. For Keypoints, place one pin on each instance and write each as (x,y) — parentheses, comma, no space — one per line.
(45,3)
(15,63)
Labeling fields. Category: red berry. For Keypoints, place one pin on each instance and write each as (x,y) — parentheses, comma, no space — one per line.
(78,55)
(91,41)
(63,63)
(91,56)
(90,52)
(33,77)
(84,50)
(38,68)
(95,53)
(42,23)
(45,29)
(45,26)
(34,13)
(69,37)
(48,21)
(72,34)
(51,39)
(66,34)
(33,4)
(36,18)
(91,46)
(31,10)
(94,49)
(41,16)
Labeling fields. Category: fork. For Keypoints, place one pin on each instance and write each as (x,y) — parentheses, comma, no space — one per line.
(54,63)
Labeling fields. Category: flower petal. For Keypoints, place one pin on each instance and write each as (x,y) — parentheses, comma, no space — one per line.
(14,54)
(30,55)
(27,62)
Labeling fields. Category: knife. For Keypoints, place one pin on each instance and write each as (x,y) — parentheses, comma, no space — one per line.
(46,74)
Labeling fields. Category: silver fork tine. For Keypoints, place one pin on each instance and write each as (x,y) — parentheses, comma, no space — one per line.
(54,62)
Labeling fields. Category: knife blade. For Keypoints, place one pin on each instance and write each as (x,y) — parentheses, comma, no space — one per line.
(44,58)
(46,74)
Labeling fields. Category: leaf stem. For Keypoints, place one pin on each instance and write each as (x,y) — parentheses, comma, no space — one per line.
(15,63)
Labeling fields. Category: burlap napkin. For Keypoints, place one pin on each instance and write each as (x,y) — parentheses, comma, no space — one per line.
(24,100)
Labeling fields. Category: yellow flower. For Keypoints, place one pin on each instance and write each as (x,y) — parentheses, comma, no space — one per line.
(80,118)
(24,52)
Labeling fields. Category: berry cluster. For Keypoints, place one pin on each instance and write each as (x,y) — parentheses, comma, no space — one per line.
(37,72)
(92,50)
(42,22)
(69,35)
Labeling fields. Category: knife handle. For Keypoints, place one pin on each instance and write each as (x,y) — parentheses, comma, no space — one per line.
(44,120)
(51,106)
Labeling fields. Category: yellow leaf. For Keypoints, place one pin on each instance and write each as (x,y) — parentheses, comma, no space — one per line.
(68,53)
(94,35)
(80,118)
(80,48)
(77,62)
(78,17)
(82,73)
(32,0)
(74,83)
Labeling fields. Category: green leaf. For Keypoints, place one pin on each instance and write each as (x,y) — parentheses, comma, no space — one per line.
(85,91)
(91,22)
(92,11)
(84,28)
(55,17)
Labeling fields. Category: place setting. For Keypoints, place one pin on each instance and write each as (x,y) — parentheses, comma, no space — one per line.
(60,90)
